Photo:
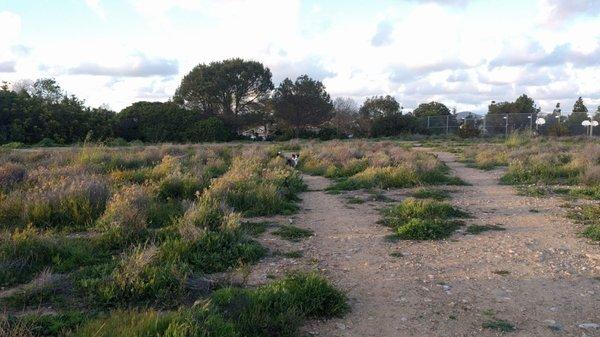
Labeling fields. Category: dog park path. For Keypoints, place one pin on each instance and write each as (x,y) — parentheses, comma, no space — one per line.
(537,274)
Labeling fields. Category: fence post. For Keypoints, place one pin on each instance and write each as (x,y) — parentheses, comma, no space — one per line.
(447,122)
(484,120)
(506,126)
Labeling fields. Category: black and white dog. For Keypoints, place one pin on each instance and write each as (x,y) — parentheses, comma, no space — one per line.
(293,161)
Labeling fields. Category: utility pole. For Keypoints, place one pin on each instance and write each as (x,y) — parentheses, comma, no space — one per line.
(506,126)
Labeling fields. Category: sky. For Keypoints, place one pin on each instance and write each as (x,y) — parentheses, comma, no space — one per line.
(463,53)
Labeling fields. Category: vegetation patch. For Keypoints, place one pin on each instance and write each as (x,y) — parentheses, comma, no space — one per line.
(425,219)
(293,233)
(276,309)
(431,193)
(588,215)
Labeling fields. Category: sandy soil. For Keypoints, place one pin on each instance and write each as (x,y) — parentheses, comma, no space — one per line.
(548,281)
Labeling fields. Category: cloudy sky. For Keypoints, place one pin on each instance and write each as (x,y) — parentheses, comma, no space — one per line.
(463,53)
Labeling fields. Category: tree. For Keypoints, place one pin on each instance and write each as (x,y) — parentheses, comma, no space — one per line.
(578,115)
(345,115)
(379,106)
(302,103)
(579,106)
(48,90)
(229,88)
(431,109)
(519,114)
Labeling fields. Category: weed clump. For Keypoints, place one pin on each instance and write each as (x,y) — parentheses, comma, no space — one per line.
(293,233)
(275,309)
(425,219)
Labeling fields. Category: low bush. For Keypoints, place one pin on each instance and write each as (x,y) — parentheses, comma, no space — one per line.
(426,219)
(427,229)
(293,233)
(276,309)
(67,204)
(430,193)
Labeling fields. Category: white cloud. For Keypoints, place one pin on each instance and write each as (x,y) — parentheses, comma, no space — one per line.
(138,66)
(554,13)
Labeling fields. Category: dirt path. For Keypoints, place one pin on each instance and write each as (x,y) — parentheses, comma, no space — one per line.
(449,288)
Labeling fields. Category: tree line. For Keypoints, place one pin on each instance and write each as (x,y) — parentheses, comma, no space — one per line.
(224,100)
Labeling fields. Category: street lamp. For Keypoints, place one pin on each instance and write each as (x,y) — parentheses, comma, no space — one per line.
(590,126)
(506,125)
(538,122)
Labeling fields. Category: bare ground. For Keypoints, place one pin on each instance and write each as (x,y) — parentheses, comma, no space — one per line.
(537,274)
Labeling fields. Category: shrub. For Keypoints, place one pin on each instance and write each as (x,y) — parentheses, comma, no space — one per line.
(292,233)
(73,203)
(127,210)
(276,309)
(426,219)
(23,253)
(179,187)
(11,174)
(429,193)
(421,209)
(127,323)
(426,229)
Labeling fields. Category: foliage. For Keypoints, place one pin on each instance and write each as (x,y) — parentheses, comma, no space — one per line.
(302,103)
(426,219)
(229,88)
(275,309)
(431,109)
(293,233)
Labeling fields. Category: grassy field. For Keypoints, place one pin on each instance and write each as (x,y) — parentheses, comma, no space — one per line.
(107,237)
(103,238)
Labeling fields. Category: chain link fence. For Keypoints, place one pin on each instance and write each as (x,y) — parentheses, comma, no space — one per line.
(504,124)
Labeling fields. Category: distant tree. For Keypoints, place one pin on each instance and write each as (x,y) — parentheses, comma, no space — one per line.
(431,109)
(579,106)
(302,103)
(393,125)
(379,106)
(345,115)
(48,90)
(229,88)
(579,114)
(520,115)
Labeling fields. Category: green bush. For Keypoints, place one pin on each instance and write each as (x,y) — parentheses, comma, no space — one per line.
(425,219)
(179,187)
(426,229)
(275,309)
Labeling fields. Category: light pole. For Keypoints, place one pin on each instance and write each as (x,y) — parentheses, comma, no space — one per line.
(590,126)
(506,125)
(530,117)
(538,122)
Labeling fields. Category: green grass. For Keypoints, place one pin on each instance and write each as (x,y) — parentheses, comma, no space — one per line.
(427,229)
(533,191)
(425,219)
(431,193)
(292,233)
(499,325)
(276,309)
(295,254)
(477,229)
(254,228)
(588,215)
(355,200)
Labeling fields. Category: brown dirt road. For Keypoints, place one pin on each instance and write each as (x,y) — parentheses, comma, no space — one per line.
(549,285)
